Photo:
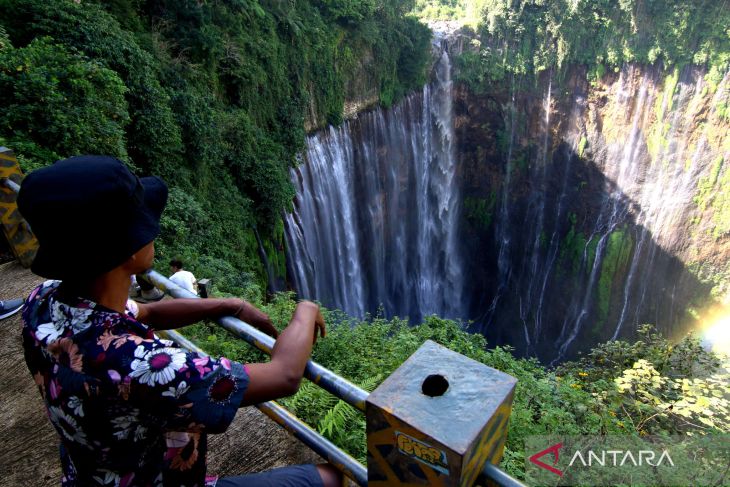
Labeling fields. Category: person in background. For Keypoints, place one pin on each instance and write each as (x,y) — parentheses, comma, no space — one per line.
(130,408)
(184,279)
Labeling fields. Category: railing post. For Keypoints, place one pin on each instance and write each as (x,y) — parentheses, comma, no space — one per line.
(437,420)
(203,288)
(17,232)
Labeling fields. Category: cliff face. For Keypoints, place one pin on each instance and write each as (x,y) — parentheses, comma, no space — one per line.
(594,206)
(551,213)
(361,92)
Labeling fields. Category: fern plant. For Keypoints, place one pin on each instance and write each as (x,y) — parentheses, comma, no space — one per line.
(333,418)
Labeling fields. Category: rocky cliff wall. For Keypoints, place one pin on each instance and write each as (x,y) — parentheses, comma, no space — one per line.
(594,206)
(576,209)
(362,93)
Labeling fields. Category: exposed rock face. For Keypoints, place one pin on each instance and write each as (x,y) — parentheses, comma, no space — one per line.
(362,93)
(593,206)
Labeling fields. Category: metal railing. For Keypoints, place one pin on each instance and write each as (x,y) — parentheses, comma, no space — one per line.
(326,379)
(316,442)
(11,185)
(493,474)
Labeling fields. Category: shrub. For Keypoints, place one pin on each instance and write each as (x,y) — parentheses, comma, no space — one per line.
(613,390)
(57,101)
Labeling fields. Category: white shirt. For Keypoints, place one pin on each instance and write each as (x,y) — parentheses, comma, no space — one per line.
(185,280)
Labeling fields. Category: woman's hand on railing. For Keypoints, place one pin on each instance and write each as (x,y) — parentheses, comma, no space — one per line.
(281,376)
(245,311)
(319,326)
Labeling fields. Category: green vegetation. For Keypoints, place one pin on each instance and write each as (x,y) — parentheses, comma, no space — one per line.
(62,100)
(211,96)
(527,37)
(440,9)
(647,387)
(574,245)
(721,206)
(615,261)
(657,141)
(714,192)
(715,276)
(657,387)
(480,211)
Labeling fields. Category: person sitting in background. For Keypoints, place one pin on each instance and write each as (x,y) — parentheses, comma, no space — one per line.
(184,279)
(132,409)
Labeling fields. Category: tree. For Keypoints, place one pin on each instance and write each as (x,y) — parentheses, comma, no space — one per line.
(57,99)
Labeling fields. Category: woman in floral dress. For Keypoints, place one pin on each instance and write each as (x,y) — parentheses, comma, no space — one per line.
(130,408)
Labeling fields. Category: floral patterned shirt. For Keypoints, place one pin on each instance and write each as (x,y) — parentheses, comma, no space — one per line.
(131,409)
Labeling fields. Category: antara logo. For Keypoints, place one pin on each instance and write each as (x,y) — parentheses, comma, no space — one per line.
(618,458)
(555,450)
(611,458)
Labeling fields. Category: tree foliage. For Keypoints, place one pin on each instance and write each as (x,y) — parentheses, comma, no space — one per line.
(658,387)
(211,96)
(56,100)
(526,37)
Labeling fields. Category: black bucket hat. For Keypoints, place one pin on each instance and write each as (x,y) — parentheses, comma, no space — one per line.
(90,214)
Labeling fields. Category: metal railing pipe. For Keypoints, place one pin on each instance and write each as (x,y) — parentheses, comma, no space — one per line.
(324,378)
(11,185)
(343,462)
(498,476)
(316,442)
(490,474)
(181,340)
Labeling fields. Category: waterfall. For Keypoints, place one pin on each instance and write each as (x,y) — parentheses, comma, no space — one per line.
(376,213)
(587,247)
(538,215)
(623,170)
(654,190)
(503,227)
(574,247)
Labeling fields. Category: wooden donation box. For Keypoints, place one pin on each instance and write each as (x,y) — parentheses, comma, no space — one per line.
(437,420)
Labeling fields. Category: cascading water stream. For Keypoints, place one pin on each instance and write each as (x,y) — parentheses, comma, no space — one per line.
(539,209)
(614,211)
(502,225)
(574,248)
(673,183)
(377,210)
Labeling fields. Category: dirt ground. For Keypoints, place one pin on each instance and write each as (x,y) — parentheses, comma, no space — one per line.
(30,455)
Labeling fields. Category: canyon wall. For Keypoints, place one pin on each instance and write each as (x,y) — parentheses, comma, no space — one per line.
(550,214)
(595,206)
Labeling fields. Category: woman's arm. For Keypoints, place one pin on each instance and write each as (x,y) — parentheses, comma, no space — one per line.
(176,313)
(281,376)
